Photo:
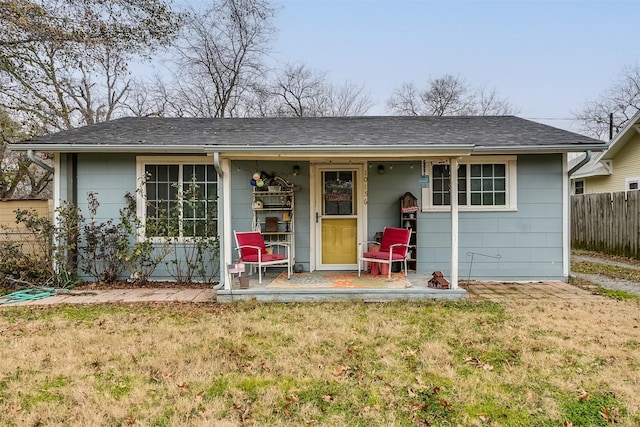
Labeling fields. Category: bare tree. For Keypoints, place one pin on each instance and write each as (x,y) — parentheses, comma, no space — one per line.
(447,96)
(348,99)
(622,100)
(258,102)
(220,56)
(64,63)
(19,178)
(406,101)
(489,103)
(301,92)
(151,98)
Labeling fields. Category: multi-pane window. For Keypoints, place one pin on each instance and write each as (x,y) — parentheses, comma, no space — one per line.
(479,185)
(181,200)
(441,184)
(578,187)
(484,185)
(488,184)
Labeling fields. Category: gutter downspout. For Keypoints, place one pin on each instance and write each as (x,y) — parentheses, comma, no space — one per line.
(587,157)
(566,217)
(224,189)
(32,156)
(216,164)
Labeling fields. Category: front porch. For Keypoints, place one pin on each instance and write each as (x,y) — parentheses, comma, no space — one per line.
(308,287)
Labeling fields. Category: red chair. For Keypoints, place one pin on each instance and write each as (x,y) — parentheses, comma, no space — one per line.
(394,247)
(253,251)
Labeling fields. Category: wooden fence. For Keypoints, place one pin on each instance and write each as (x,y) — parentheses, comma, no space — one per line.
(607,222)
(44,208)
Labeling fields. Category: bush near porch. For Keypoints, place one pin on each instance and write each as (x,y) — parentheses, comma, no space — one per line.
(105,251)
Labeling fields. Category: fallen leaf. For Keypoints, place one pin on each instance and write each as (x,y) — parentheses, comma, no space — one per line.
(341,371)
(583,395)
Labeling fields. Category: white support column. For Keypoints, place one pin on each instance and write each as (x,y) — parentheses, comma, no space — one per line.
(453,188)
(226,234)
(566,219)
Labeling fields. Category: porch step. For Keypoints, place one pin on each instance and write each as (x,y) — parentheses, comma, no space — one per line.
(316,295)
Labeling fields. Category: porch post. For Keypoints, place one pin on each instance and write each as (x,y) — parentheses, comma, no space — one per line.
(453,188)
(566,218)
(226,236)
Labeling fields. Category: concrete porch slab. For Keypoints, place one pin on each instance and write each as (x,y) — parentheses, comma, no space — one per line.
(317,295)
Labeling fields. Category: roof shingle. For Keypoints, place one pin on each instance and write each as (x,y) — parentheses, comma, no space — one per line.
(488,132)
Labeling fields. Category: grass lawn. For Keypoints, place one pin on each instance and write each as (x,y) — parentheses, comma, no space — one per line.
(427,364)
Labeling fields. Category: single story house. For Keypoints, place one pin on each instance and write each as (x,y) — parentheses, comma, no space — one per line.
(508,222)
(616,169)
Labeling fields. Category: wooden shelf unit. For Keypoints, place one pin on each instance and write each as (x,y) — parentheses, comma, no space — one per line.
(273,216)
(409,219)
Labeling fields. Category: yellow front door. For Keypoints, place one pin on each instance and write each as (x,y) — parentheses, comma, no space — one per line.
(339,238)
(337,205)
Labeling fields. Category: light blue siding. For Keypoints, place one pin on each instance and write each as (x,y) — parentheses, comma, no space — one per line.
(529,240)
(241,199)
(110,176)
(384,192)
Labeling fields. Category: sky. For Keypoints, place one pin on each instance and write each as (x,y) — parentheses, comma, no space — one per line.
(546,57)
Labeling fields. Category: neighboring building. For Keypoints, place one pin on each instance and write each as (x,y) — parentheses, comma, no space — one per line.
(613,170)
(510,222)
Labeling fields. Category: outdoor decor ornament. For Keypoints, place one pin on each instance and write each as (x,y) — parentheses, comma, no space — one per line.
(254,179)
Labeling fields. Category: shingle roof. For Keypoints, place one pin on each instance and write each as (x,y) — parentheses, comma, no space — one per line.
(483,132)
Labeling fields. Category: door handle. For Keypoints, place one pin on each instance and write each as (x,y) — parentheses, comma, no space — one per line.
(317,217)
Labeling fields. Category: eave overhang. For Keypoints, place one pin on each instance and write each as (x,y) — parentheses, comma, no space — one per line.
(251,151)
(310,151)
(540,149)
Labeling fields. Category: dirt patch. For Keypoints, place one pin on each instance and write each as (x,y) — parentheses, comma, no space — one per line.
(124,284)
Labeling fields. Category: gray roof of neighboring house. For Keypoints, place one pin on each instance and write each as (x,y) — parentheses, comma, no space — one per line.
(482,133)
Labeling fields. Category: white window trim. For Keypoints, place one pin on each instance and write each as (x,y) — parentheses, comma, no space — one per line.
(629,181)
(511,190)
(575,187)
(141,162)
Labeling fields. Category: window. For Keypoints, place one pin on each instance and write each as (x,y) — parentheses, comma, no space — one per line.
(632,184)
(578,187)
(180,197)
(483,184)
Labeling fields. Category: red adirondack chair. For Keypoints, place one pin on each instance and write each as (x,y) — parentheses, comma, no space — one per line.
(394,247)
(252,250)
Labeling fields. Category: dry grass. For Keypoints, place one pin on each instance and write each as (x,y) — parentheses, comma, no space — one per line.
(615,271)
(455,363)
(607,257)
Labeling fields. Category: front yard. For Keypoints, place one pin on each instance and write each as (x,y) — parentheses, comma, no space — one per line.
(440,363)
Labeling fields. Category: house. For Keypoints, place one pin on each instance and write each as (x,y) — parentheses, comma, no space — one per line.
(509,221)
(616,169)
